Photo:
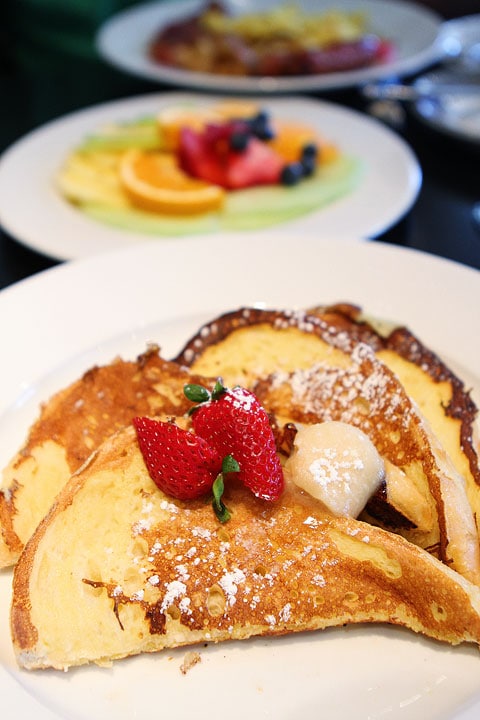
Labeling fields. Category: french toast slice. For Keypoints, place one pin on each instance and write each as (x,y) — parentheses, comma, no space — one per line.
(440,394)
(71,425)
(139,571)
(307,367)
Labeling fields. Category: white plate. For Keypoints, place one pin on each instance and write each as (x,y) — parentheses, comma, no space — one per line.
(124,38)
(456,114)
(34,212)
(459,40)
(59,323)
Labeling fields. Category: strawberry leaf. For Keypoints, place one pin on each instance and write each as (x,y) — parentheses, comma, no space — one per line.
(196,393)
(220,509)
(229,465)
(218,390)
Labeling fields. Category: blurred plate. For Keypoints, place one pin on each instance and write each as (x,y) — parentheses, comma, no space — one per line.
(456,114)
(59,323)
(124,38)
(459,40)
(34,212)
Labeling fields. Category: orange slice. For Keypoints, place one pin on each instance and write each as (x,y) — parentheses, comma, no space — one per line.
(237,108)
(153,181)
(291,137)
(171,119)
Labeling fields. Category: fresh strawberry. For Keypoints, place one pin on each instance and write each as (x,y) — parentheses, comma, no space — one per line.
(234,423)
(257,165)
(197,159)
(210,156)
(182,464)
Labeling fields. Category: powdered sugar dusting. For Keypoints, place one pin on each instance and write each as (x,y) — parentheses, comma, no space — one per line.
(229,583)
(174,590)
(362,392)
(335,467)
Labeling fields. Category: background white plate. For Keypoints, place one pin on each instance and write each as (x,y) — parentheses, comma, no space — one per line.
(459,40)
(124,38)
(32,210)
(57,324)
(456,114)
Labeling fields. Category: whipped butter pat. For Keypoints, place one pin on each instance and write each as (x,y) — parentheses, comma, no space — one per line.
(337,464)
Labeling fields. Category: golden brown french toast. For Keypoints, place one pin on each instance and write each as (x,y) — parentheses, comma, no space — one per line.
(140,571)
(440,394)
(71,425)
(309,367)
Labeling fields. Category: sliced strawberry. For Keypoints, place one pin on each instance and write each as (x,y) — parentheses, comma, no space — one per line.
(257,165)
(197,159)
(180,463)
(234,423)
(208,155)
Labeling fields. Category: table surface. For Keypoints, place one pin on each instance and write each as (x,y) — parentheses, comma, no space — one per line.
(440,221)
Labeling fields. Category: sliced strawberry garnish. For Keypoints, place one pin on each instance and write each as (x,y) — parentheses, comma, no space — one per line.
(234,423)
(211,156)
(180,463)
(197,159)
(257,165)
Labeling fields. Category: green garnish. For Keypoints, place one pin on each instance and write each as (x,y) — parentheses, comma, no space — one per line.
(199,394)
(196,393)
(218,390)
(219,507)
(229,465)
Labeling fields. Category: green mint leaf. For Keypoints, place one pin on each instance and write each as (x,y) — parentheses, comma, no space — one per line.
(218,390)
(196,393)
(221,511)
(229,465)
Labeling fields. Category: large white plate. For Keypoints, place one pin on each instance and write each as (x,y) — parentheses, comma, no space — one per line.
(32,210)
(124,38)
(59,323)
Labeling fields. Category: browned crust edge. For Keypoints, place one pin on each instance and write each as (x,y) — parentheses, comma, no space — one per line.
(24,632)
(328,321)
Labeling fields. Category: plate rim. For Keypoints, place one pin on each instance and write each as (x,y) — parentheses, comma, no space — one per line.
(63,276)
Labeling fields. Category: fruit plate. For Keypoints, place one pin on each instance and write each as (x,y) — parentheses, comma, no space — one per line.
(59,323)
(389,184)
(123,39)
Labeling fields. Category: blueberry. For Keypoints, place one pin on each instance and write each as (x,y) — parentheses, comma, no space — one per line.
(308,158)
(239,141)
(265,133)
(260,125)
(310,150)
(308,164)
(261,118)
(292,173)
